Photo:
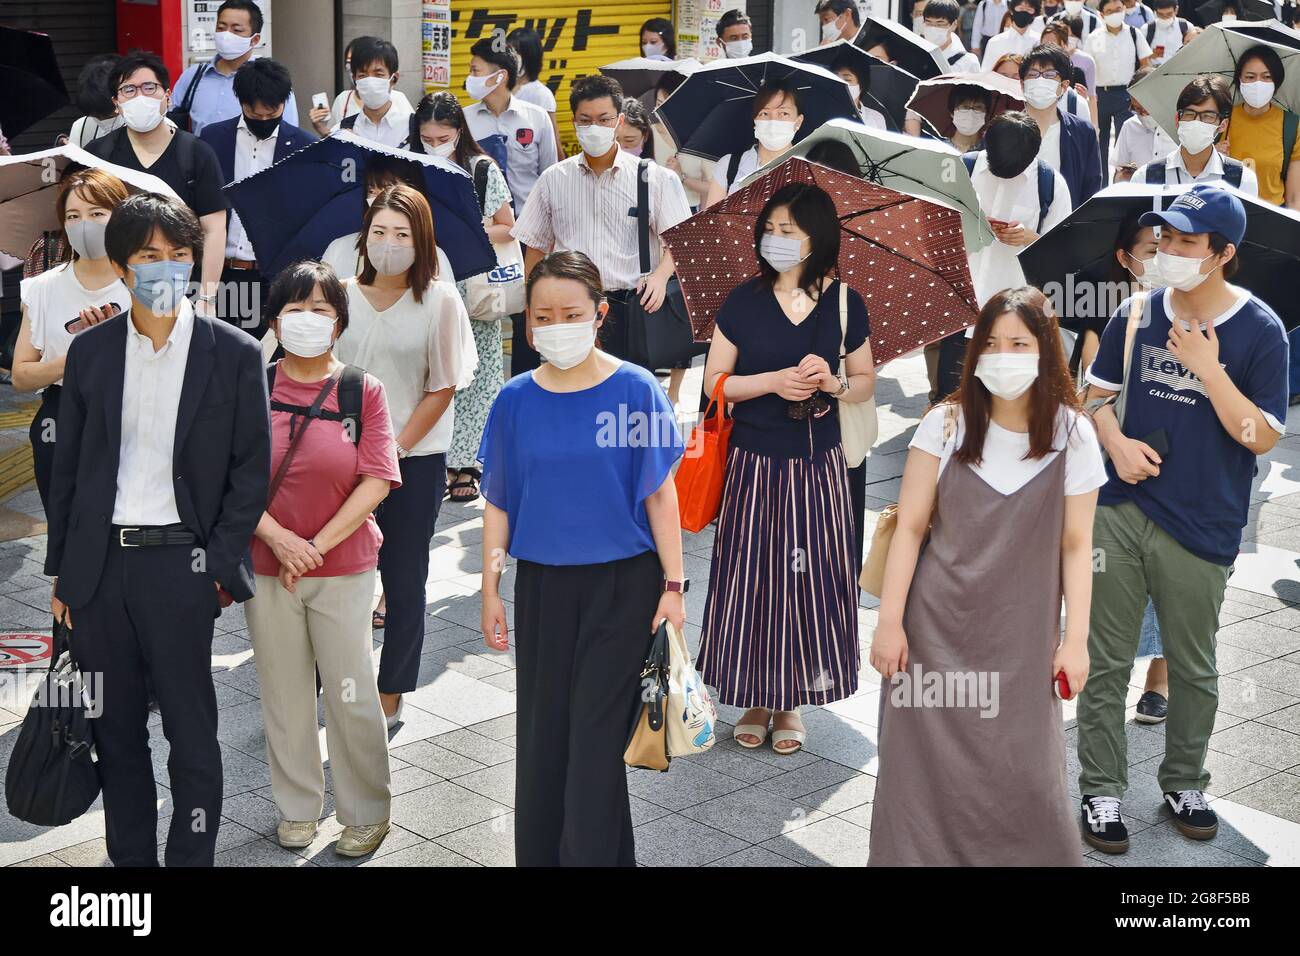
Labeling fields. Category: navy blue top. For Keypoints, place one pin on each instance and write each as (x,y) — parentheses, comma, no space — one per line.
(1202,492)
(766,341)
(572,470)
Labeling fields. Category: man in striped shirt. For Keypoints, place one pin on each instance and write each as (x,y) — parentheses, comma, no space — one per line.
(588,204)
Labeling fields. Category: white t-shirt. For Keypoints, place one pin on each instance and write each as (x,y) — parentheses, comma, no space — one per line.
(412,348)
(55,298)
(748,164)
(1004,467)
(873,118)
(537,93)
(342,256)
(1136,145)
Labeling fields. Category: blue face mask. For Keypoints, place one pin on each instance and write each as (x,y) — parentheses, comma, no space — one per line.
(160,286)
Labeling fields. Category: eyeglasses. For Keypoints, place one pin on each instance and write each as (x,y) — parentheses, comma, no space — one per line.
(1042,74)
(128,90)
(1192,116)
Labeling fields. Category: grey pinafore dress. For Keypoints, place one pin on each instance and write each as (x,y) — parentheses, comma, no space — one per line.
(956,788)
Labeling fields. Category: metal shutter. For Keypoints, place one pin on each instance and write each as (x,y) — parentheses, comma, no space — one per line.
(81,29)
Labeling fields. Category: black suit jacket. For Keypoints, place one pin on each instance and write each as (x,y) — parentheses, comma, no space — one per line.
(221,137)
(221,458)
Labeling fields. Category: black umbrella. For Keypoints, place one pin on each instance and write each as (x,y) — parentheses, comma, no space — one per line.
(1265,33)
(640,75)
(1212,12)
(29,75)
(889,87)
(711,114)
(914,54)
(1070,259)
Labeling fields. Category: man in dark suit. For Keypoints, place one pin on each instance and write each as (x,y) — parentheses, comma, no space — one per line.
(247,144)
(159,478)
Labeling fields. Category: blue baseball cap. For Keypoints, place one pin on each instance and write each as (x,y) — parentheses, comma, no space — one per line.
(1203,208)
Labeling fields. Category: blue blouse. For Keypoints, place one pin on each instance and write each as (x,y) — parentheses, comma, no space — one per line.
(572,470)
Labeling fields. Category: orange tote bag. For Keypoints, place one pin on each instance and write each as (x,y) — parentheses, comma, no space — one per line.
(704,465)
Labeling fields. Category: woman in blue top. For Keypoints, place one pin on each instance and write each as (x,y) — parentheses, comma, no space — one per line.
(781,624)
(577,475)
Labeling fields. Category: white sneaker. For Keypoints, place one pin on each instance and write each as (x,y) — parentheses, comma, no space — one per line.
(359,841)
(295,834)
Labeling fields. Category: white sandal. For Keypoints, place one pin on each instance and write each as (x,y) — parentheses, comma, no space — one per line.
(784,735)
(752,730)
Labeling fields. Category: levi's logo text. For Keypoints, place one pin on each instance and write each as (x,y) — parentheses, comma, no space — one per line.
(1161,366)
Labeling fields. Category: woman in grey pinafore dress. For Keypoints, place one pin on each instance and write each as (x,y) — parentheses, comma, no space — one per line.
(972,748)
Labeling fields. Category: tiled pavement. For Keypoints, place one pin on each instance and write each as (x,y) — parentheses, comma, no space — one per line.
(453,758)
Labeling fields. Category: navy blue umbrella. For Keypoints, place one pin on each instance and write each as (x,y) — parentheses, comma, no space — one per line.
(711,113)
(296,208)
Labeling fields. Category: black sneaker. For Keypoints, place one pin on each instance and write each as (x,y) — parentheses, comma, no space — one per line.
(1192,814)
(1103,826)
(1153,708)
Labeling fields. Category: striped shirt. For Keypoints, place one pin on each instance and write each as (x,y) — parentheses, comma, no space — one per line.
(574,209)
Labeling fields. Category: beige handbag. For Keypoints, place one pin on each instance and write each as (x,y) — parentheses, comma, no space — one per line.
(872,579)
(859,424)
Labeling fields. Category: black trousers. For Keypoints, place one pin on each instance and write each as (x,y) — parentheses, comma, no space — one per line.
(858,503)
(581,635)
(613,331)
(151,619)
(1113,109)
(407,518)
(42,436)
(239,300)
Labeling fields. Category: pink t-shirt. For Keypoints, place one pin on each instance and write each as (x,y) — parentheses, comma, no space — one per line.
(325,471)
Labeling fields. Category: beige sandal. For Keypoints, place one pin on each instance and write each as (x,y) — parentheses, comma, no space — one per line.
(752,730)
(784,736)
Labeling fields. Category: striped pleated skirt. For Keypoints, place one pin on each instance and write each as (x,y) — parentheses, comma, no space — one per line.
(781,623)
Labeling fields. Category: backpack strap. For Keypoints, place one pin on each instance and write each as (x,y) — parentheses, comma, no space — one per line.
(1046,192)
(351,391)
(643,214)
(733,167)
(1151,32)
(1290,121)
(1232,171)
(1157,173)
(295,440)
(1071,101)
(1183,27)
(969,160)
(952,60)
(1137,60)
(480,181)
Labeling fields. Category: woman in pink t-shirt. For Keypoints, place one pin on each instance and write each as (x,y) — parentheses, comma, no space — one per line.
(315,555)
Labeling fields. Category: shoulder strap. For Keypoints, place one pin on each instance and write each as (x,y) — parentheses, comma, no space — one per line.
(351,390)
(270,378)
(1071,101)
(844,323)
(1290,121)
(312,413)
(1183,25)
(733,167)
(643,214)
(185,156)
(349,121)
(1151,32)
(1046,192)
(188,100)
(480,180)
(952,60)
(1135,313)
(1137,60)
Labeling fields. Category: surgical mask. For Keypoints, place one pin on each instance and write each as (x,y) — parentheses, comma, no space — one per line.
(160,286)
(375,91)
(231,46)
(968,122)
(653,49)
(480,86)
(936,35)
(1114,20)
(855,91)
(774,134)
(1148,121)
(1006,375)
(830,30)
(86,238)
(1074,7)
(1196,137)
(781,252)
(636,150)
(1179,272)
(142,113)
(306,334)
(1149,277)
(737,49)
(388,258)
(596,140)
(1042,93)
(1257,94)
(442,150)
(1022,18)
(262,128)
(567,344)
(1228,18)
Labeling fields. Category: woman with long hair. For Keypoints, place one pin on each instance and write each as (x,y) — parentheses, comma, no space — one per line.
(1004,476)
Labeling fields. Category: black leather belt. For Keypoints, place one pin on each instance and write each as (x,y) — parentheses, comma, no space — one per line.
(152,536)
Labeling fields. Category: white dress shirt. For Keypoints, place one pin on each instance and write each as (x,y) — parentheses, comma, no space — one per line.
(1008,41)
(1136,145)
(987,22)
(521,139)
(575,209)
(392,129)
(151,397)
(1176,172)
(958,58)
(252,155)
(1116,62)
(1168,34)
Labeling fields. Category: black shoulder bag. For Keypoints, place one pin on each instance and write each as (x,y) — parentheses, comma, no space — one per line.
(180,115)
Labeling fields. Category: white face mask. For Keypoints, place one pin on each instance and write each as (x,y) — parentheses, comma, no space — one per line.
(1006,375)
(855,91)
(738,48)
(567,344)
(1257,94)
(968,122)
(652,49)
(1179,272)
(781,252)
(1114,20)
(774,134)
(1042,92)
(596,140)
(1148,266)
(231,46)
(443,150)
(936,35)
(306,334)
(86,238)
(1073,7)
(388,258)
(142,113)
(1148,121)
(374,91)
(1196,137)
(480,86)
(830,31)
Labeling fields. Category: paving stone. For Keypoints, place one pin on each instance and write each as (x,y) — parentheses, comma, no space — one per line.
(442,808)
(846,795)
(753,815)
(425,854)
(496,783)
(1288,718)
(436,759)
(753,856)
(490,843)
(1260,744)
(684,785)
(478,747)
(828,842)
(1165,846)
(1260,636)
(1278,795)
(805,780)
(675,840)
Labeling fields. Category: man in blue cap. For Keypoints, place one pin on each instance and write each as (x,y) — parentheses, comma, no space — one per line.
(1202,365)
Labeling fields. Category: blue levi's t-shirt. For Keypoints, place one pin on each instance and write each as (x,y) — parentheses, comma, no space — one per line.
(572,470)
(1202,493)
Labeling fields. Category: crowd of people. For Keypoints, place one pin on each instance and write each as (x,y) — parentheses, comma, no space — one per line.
(181,476)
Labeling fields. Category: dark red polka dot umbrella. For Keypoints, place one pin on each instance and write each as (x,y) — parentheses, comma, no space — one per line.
(903,255)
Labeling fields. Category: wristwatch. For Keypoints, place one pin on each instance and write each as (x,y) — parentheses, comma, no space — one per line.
(844,387)
(401,452)
(681,586)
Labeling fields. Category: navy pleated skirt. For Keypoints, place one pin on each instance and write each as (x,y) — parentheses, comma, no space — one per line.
(781,623)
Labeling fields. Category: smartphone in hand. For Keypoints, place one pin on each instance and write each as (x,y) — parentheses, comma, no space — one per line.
(320,101)
(73,326)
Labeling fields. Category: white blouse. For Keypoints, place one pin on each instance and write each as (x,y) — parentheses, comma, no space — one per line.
(412,348)
(54,299)
(1004,467)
